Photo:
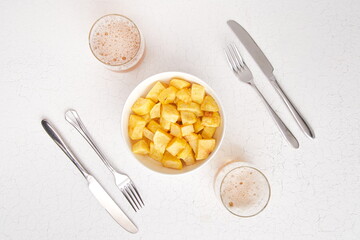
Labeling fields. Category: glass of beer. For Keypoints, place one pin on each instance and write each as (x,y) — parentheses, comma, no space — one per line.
(243,190)
(116,42)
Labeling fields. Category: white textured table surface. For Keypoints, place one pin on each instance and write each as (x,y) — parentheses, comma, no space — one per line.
(46,67)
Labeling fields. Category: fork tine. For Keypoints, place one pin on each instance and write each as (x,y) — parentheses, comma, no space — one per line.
(126,196)
(129,192)
(137,193)
(238,55)
(132,190)
(235,58)
(230,60)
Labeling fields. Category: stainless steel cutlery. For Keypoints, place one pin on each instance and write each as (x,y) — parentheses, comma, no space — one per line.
(268,70)
(123,182)
(243,73)
(97,190)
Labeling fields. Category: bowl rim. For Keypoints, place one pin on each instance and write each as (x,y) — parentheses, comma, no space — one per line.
(180,75)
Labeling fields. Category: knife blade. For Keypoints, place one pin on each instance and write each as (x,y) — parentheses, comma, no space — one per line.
(268,70)
(96,189)
(111,207)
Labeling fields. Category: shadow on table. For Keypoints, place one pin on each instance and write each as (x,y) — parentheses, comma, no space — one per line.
(228,154)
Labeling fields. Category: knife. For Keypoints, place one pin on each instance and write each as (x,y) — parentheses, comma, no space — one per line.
(268,70)
(97,190)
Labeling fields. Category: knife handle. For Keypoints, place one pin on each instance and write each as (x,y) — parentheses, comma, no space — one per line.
(60,142)
(297,116)
(283,129)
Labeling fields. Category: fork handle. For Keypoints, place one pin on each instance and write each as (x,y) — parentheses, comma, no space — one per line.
(283,129)
(60,142)
(74,119)
(297,116)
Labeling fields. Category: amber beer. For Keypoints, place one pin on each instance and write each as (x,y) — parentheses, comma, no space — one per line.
(245,191)
(116,42)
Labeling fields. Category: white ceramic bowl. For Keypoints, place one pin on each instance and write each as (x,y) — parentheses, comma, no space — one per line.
(140,91)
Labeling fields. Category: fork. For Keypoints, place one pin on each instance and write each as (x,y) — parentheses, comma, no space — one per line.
(123,182)
(243,73)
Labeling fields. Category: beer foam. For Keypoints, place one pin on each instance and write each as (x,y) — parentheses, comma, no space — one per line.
(244,191)
(114,40)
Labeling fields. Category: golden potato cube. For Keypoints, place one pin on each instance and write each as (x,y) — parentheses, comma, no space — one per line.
(208,132)
(187,117)
(142,106)
(148,134)
(147,140)
(168,95)
(176,145)
(155,91)
(165,124)
(155,153)
(136,127)
(175,130)
(141,147)
(200,136)
(209,104)
(155,111)
(146,117)
(153,126)
(169,112)
(204,148)
(187,155)
(197,93)
(191,136)
(197,126)
(171,161)
(185,152)
(192,139)
(211,119)
(183,95)
(187,129)
(191,107)
(179,83)
(161,140)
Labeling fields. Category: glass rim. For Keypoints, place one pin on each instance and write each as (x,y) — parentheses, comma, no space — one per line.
(117,15)
(267,183)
